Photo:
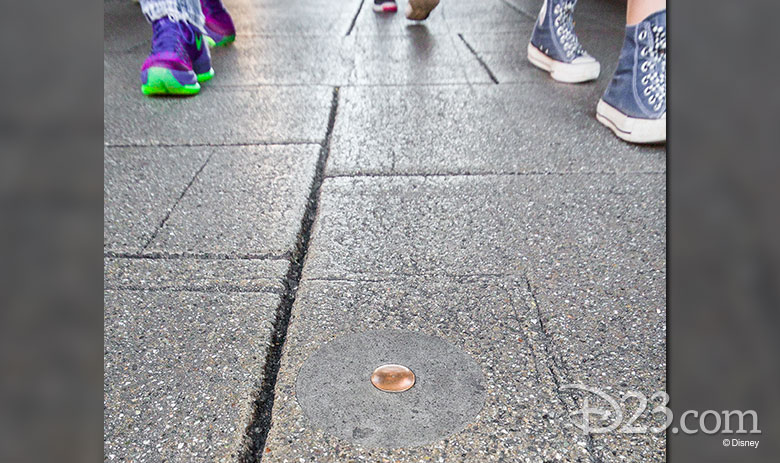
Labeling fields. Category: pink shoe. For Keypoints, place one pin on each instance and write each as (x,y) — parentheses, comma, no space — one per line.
(385,6)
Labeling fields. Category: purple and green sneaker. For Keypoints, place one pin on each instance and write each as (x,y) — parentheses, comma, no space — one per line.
(220,30)
(179,60)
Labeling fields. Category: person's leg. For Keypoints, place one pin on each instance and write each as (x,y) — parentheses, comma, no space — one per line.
(419,10)
(634,103)
(175,10)
(179,58)
(640,9)
(555,48)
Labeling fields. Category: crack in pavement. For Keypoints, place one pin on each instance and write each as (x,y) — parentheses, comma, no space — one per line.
(354,18)
(479,59)
(176,203)
(558,371)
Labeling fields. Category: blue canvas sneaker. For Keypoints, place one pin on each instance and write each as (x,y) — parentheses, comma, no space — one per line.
(634,104)
(555,47)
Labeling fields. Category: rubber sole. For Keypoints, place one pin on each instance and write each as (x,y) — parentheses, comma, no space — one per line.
(417,10)
(226,40)
(631,129)
(386,7)
(205,76)
(160,81)
(569,73)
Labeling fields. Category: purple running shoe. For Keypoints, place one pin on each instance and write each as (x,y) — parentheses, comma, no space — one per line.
(220,30)
(179,60)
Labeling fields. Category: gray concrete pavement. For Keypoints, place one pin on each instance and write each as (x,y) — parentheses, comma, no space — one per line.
(346,172)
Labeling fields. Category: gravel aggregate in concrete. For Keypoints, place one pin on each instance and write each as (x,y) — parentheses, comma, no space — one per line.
(181,369)
(195,274)
(247,200)
(523,128)
(140,187)
(215,116)
(490,319)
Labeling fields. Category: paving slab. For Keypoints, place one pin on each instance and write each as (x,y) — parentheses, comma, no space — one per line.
(280,60)
(487,318)
(259,61)
(215,116)
(484,224)
(247,201)
(416,58)
(181,371)
(605,314)
(140,187)
(591,245)
(518,128)
(298,18)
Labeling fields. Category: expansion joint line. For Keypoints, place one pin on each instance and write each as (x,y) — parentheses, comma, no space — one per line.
(159,227)
(354,18)
(479,59)
(260,424)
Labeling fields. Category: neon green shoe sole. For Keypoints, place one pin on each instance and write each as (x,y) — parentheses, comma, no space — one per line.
(160,81)
(225,40)
(206,75)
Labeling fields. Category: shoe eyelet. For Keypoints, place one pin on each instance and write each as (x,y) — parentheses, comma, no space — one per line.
(652,99)
(645,79)
(647,91)
(643,35)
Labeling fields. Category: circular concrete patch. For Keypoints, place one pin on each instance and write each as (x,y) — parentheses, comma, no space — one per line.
(335,391)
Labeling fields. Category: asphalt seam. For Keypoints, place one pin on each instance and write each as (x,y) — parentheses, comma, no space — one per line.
(160,255)
(354,18)
(260,424)
(559,372)
(479,59)
(178,200)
